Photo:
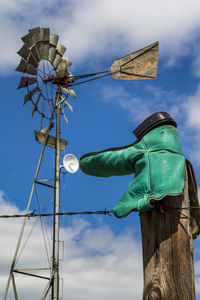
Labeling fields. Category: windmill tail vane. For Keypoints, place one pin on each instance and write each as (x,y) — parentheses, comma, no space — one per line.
(139,65)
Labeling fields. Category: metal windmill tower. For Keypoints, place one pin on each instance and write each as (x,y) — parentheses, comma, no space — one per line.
(48,84)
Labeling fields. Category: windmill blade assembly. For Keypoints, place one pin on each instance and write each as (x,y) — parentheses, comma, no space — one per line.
(42,45)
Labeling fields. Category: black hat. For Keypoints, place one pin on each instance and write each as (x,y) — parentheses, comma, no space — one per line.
(155,120)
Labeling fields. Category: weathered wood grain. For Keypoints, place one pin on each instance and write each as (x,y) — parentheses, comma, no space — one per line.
(168,251)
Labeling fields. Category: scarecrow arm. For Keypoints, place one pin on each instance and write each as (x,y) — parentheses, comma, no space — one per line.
(111,162)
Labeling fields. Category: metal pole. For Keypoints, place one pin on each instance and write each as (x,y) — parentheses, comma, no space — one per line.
(55,261)
(27,209)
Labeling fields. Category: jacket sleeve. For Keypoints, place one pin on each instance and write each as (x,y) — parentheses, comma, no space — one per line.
(111,162)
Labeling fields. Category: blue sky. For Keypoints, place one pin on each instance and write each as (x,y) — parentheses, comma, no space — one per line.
(100,251)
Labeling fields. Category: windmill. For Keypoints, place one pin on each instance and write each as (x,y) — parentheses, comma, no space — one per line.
(49,86)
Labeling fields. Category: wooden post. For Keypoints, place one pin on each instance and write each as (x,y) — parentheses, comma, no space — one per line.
(168,251)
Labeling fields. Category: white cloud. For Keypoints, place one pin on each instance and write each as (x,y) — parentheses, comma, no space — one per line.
(98,263)
(139,108)
(192,107)
(93,28)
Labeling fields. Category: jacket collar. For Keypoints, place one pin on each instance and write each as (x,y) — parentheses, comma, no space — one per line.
(153,121)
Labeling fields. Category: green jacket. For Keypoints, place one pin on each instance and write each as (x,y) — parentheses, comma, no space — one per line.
(158,164)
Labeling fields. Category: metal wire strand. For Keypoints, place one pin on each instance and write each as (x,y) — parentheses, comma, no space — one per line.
(33,214)
(32,229)
(98,212)
(42,226)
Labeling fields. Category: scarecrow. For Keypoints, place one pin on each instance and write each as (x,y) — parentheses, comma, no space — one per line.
(157,161)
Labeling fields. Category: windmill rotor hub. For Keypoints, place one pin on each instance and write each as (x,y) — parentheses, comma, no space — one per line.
(59,79)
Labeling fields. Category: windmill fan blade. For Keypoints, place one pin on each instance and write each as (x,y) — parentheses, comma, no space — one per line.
(36,53)
(25,81)
(46,50)
(25,67)
(24,52)
(52,54)
(27,97)
(35,104)
(138,65)
(57,60)
(69,91)
(68,62)
(45,32)
(32,60)
(62,68)
(65,118)
(30,94)
(36,34)
(70,75)
(61,49)
(31,70)
(53,39)
(22,66)
(28,40)
(69,106)
(40,46)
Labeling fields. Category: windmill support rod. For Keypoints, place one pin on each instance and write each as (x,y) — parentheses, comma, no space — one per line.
(33,275)
(32,269)
(14,287)
(47,288)
(27,208)
(55,262)
(45,184)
